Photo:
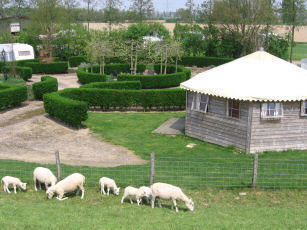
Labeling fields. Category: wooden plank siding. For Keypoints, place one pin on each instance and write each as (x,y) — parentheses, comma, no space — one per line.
(215,126)
(290,132)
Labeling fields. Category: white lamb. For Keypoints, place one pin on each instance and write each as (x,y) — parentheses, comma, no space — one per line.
(45,176)
(15,182)
(133,192)
(148,193)
(110,184)
(69,184)
(169,192)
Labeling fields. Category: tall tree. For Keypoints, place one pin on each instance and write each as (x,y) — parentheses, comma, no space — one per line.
(19,7)
(90,6)
(111,11)
(3,8)
(293,12)
(142,8)
(190,5)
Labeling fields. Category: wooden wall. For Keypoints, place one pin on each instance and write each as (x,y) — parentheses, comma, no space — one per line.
(290,132)
(214,126)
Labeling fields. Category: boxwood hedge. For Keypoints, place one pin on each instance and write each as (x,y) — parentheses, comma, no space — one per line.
(48,67)
(202,61)
(114,85)
(75,61)
(85,77)
(12,95)
(24,72)
(46,85)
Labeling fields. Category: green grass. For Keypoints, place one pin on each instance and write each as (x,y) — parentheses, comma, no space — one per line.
(214,209)
(299,51)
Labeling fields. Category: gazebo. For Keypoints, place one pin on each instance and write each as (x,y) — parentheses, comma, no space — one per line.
(255,103)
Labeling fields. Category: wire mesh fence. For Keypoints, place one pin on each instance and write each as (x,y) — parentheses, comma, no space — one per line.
(190,173)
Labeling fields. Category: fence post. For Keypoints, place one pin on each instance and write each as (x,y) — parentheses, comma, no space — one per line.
(152,168)
(58,164)
(255,170)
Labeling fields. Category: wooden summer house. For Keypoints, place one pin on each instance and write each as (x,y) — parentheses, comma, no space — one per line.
(256,103)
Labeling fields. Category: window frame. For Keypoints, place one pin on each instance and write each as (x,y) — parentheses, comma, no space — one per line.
(304,108)
(263,116)
(199,96)
(228,110)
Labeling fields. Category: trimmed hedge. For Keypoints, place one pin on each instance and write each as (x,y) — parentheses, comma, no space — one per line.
(119,68)
(12,95)
(46,85)
(114,85)
(67,110)
(75,61)
(171,79)
(70,105)
(48,67)
(202,61)
(88,77)
(24,72)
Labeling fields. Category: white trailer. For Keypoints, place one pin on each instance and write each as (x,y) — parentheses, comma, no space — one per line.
(16,52)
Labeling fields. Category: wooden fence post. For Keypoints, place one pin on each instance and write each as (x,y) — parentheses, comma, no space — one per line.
(58,164)
(255,170)
(152,168)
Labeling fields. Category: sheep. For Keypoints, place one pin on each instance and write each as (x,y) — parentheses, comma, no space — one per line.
(8,180)
(69,184)
(170,192)
(110,184)
(45,176)
(148,192)
(133,192)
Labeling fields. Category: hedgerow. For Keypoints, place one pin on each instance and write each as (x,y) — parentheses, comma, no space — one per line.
(12,95)
(46,85)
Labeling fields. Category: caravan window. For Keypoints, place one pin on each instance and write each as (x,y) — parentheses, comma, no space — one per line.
(24,53)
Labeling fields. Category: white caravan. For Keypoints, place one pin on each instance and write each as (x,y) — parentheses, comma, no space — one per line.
(16,52)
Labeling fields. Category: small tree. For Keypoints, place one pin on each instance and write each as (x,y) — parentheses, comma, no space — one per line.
(103,51)
(142,9)
(177,51)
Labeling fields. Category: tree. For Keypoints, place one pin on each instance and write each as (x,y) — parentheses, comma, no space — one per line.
(111,11)
(293,12)
(191,13)
(3,8)
(19,7)
(90,5)
(142,9)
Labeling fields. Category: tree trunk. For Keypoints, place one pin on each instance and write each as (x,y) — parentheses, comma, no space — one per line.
(165,64)
(161,64)
(136,60)
(88,16)
(176,65)
(131,56)
(103,64)
(292,43)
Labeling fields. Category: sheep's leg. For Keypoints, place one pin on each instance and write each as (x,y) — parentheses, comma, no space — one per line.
(159,203)
(7,189)
(131,202)
(175,204)
(153,201)
(102,188)
(108,191)
(15,189)
(34,179)
(4,188)
(46,186)
(123,198)
(61,198)
(40,185)
(82,192)
(147,200)
(138,200)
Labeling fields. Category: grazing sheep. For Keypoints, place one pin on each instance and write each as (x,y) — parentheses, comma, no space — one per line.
(147,191)
(133,192)
(69,184)
(45,176)
(15,182)
(110,184)
(169,192)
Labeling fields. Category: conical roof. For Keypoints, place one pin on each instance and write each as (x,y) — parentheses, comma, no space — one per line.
(259,76)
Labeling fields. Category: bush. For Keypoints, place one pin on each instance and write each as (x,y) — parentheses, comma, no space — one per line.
(87,77)
(48,67)
(119,68)
(67,110)
(75,61)
(114,85)
(202,61)
(172,69)
(12,95)
(46,85)
(69,104)
(24,72)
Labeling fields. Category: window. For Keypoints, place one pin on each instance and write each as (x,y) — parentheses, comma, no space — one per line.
(24,53)
(271,110)
(233,108)
(304,108)
(200,102)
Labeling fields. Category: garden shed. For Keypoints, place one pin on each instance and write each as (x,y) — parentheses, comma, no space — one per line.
(256,103)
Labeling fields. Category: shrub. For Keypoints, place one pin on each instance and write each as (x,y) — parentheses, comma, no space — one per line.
(48,67)
(67,110)
(201,61)
(69,104)
(119,68)
(172,69)
(24,72)
(46,85)
(12,95)
(114,85)
(75,61)
(87,77)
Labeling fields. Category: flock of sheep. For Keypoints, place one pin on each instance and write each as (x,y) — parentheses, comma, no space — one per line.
(75,182)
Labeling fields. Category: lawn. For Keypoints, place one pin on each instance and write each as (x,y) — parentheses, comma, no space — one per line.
(299,51)
(214,209)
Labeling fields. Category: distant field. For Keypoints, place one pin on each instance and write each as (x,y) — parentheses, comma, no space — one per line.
(214,209)
(300,51)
